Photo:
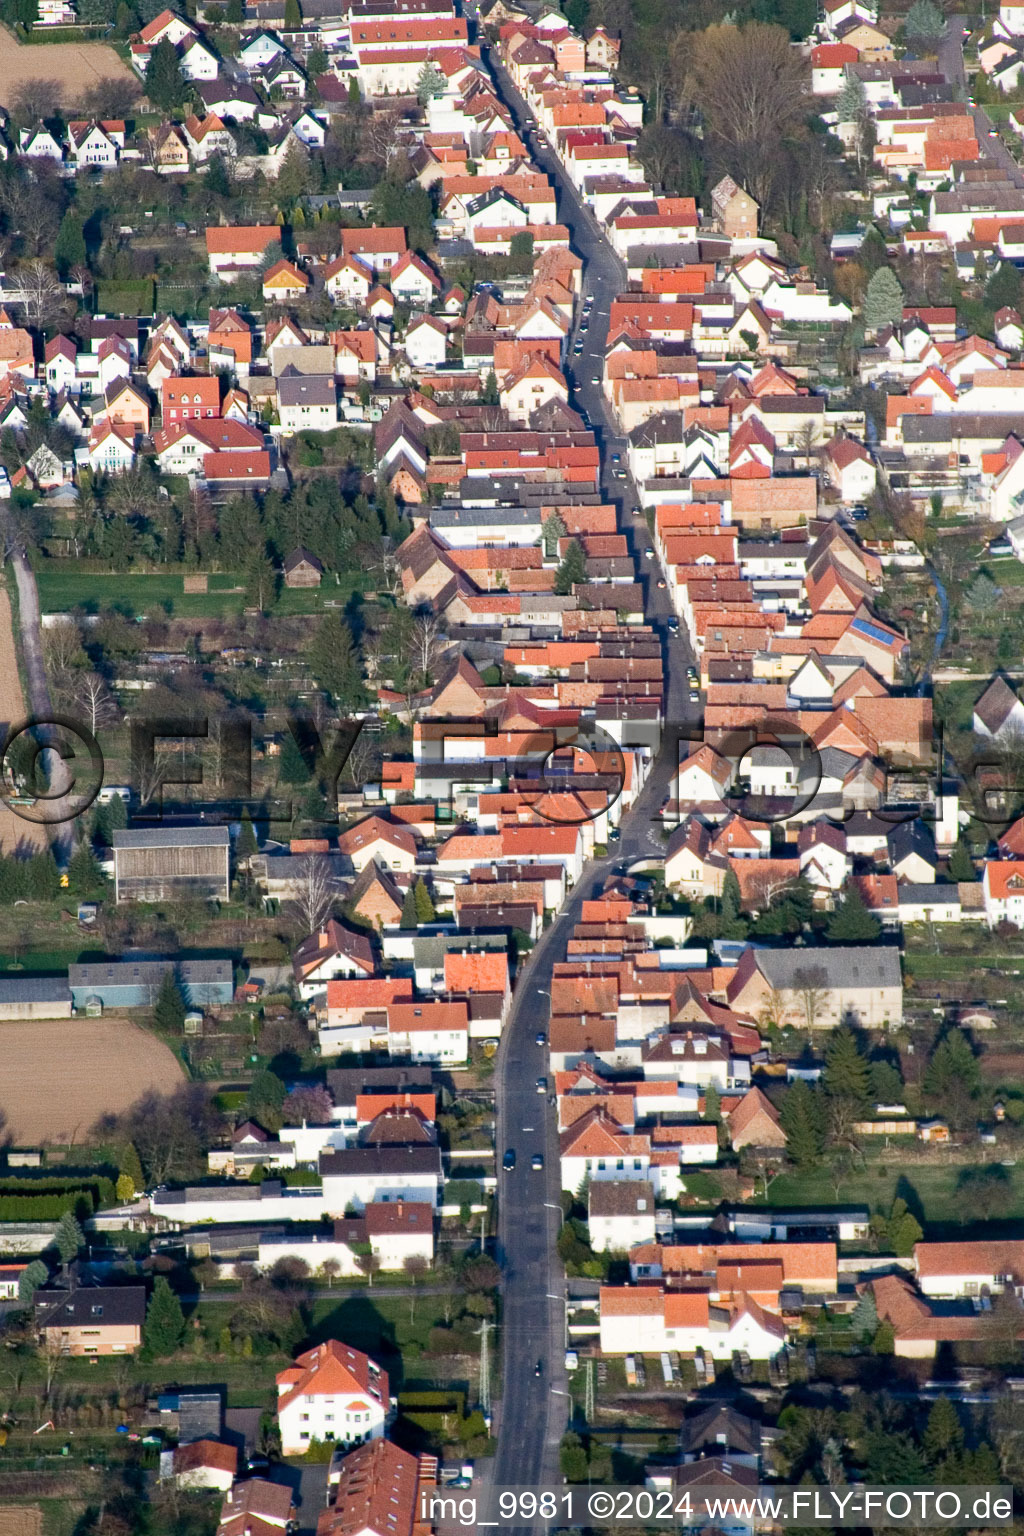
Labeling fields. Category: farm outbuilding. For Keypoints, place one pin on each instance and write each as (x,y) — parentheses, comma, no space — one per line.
(34,997)
(172,864)
(97,985)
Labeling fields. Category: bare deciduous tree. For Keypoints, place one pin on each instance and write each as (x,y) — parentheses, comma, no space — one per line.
(383,562)
(382,135)
(94,699)
(132,494)
(811,989)
(427,644)
(43,297)
(314,893)
(748,84)
(62,647)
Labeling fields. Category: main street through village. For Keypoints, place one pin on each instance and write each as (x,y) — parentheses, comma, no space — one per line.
(534,1409)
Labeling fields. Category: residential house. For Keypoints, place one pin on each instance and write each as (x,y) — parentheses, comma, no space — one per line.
(232,249)
(208,136)
(429,1031)
(359,1176)
(197,61)
(90,1320)
(620,1214)
(331,1393)
(256,1508)
(307,402)
(111,448)
(378,248)
(96,145)
(168,149)
(332,951)
(850,469)
(413,281)
(60,361)
(284,281)
(426,342)
(378,1490)
(734,210)
(190,399)
(384,842)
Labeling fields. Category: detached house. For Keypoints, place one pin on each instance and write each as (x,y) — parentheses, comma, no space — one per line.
(426,342)
(348,279)
(190,399)
(284,281)
(413,281)
(332,1392)
(91,1320)
(307,401)
(231,249)
(734,210)
(96,144)
(331,952)
(60,360)
(377,248)
(207,136)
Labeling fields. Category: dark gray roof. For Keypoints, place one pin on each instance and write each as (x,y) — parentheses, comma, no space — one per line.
(345,1083)
(430,949)
(214,91)
(126,972)
(864,965)
(306,389)
(942,430)
(666,428)
(34,989)
(621,1197)
(911,836)
(500,916)
(720,1425)
(454,516)
(488,199)
(240,1194)
(928,893)
(353,1161)
(173,837)
(91,1305)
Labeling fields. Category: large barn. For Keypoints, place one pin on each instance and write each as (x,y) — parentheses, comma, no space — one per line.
(172,864)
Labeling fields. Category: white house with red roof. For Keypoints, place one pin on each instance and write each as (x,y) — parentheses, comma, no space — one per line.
(850,468)
(413,281)
(61,364)
(350,278)
(649,1320)
(111,450)
(426,342)
(332,1392)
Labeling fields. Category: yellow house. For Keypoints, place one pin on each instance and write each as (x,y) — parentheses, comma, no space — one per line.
(284,281)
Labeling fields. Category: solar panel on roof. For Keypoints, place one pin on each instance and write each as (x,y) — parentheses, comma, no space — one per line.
(875,632)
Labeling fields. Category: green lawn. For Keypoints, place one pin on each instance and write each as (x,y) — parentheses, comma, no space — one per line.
(930,1191)
(1006,570)
(63,586)
(940,967)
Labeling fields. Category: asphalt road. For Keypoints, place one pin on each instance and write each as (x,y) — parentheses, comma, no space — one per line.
(39,704)
(534,1408)
(950,54)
